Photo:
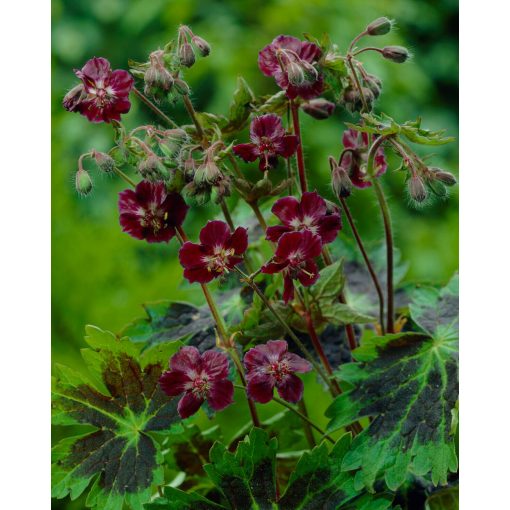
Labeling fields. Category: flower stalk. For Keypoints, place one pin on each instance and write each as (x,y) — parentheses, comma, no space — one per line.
(145,100)
(299,153)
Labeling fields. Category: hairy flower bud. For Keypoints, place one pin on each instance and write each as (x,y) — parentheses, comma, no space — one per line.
(152,169)
(295,73)
(208,172)
(186,55)
(374,84)
(352,99)
(202,45)
(379,26)
(83,182)
(444,177)
(74,97)
(104,161)
(181,86)
(340,181)
(157,76)
(397,54)
(417,190)
(319,108)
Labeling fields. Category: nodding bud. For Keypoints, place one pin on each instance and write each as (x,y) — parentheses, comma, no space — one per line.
(340,181)
(374,84)
(157,76)
(379,26)
(181,87)
(104,161)
(83,182)
(352,99)
(208,172)
(417,190)
(152,169)
(295,73)
(311,74)
(202,45)
(74,97)
(444,177)
(397,54)
(186,55)
(319,108)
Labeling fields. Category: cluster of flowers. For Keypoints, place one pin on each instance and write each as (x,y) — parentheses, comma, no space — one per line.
(205,377)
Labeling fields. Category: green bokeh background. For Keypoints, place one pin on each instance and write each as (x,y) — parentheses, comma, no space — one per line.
(101,275)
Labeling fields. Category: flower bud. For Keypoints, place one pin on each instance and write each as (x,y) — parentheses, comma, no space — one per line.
(380,26)
(208,172)
(83,182)
(374,84)
(417,190)
(104,162)
(186,55)
(152,169)
(340,181)
(199,195)
(444,177)
(295,73)
(202,45)
(311,74)
(397,54)
(74,97)
(319,108)
(181,86)
(262,188)
(157,76)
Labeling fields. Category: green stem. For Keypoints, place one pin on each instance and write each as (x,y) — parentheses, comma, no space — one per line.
(122,175)
(370,268)
(193,114)
(258,214)
(306,426)
(226,213)
(299,153)
(154,108)
(358,84)
(385,211)
(287,328)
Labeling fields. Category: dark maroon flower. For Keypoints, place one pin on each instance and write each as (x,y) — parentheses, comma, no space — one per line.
(268,142)
(200,377)
(291,63)
(218,252)
(103,94)
(294,258)
(271,365)
(355,162)
(308,214)
(149,212)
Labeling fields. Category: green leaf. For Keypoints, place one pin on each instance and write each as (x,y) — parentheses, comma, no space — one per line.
(446,499)
(277,103)
(409,383)
(170,320)
(340,314)
(246,479)
(123,407)
(240,107)
(330,283)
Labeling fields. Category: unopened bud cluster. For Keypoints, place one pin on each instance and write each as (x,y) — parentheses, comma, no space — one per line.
(189,44)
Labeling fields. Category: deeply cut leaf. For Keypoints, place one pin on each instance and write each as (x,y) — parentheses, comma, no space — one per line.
(409,383)
(123,405)
(246,478)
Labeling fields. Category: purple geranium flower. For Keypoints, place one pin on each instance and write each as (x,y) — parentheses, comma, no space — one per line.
(294,258)
(268,142)
(149,212)
(218,252)
(103,94)
(355,162)
(292,64)
(200,377)
(271,365)
(310,213)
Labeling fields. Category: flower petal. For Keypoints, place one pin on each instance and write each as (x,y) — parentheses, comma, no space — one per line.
(286,209)
(121,82)
(173,382)
(288,288)
(309,274)
(215,364)
(191,255)
(310,244)
(312,205)
(310,52)
(289,244)
(260,388)
(288,146)
(255,358)
(329,226)
(238,241)
(215,233)
(291,389)
(96,69)
(220,395)
(199,274)
(189,405)
(297,363)
(274,233)
(266,126)
(248,151)
(350,139)
(176,208)
(274,267)
(187,360)
(276,349)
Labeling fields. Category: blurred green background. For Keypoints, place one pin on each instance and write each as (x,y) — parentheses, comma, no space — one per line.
(101,275)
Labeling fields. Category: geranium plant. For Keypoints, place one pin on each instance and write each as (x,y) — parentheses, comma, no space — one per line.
(300,335)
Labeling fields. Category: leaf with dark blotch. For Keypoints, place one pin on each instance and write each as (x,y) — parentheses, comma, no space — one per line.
(445,499)
(168,321)
(123,405)
(246,478)
(408,383)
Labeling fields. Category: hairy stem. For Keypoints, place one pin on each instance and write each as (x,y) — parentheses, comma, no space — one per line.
(358,84)
(299,153)
(193,114)
(370,268)
(122,175)
(154,108)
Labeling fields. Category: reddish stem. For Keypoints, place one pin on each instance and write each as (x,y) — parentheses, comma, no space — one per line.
(299,154)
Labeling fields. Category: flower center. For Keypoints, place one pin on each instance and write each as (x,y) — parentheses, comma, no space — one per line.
(218,262)
(201,386)
(279,370)
(266,145)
